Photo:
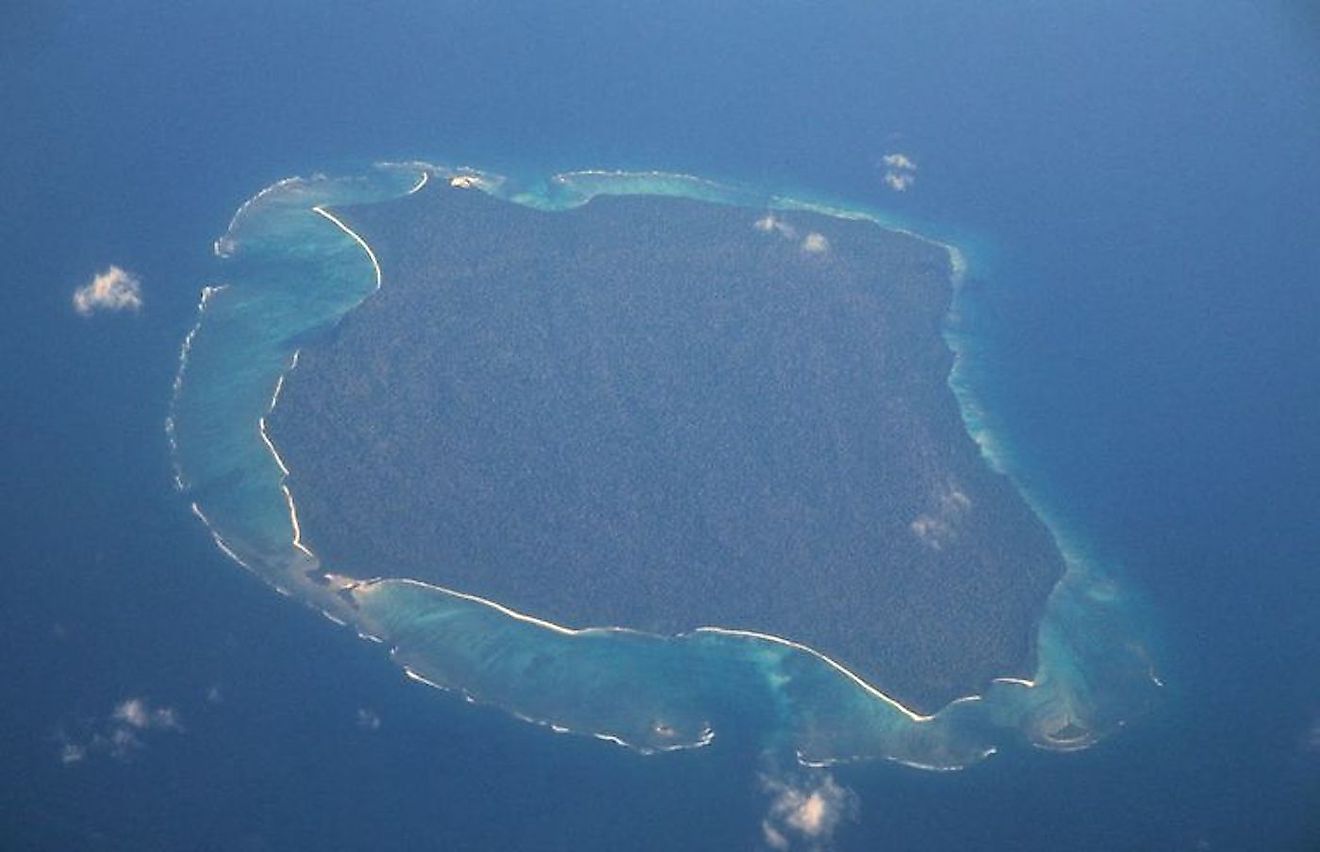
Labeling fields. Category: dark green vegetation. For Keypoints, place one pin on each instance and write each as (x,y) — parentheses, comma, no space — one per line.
(650,412)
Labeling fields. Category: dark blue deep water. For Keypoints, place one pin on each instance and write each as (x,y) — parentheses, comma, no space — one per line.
(1141,186)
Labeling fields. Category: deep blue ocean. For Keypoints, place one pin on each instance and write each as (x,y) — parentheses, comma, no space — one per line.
(1139,187)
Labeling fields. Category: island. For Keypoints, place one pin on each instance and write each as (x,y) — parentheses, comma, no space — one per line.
(663,414)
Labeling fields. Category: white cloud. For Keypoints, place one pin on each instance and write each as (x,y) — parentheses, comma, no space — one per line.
(900,171)
(122,732)
(772,224)
(898,181)
(1311,739)
(900,161)
(812,243)
(72,753)
(815,243)
(367,719)
(138,713)
(112,290)
(806,813)
(938,525)
(120,743)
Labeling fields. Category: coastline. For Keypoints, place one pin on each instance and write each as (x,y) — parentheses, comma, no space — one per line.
(279,461)
(339,223)
(958,269)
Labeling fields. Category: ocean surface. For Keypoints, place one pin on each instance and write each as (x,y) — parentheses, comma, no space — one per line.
(1135,188)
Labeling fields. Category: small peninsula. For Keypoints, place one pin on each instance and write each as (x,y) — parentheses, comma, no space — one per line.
(663,414)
